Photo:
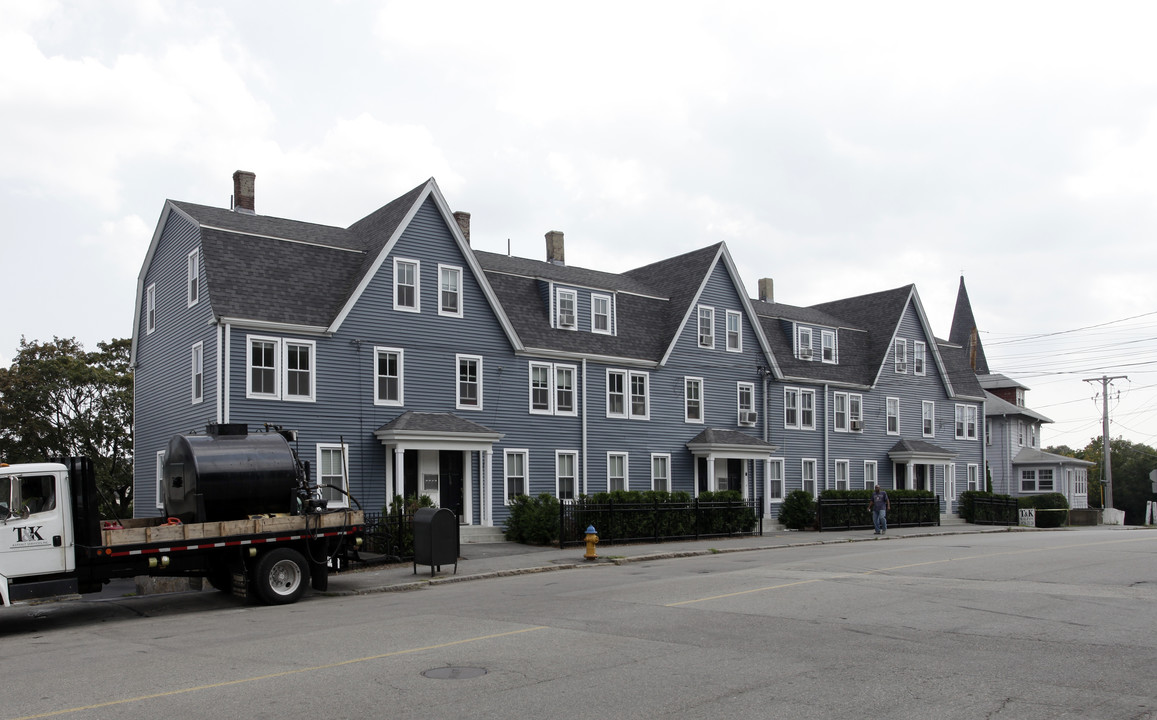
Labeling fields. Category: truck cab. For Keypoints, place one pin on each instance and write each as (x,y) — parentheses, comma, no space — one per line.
(36,532)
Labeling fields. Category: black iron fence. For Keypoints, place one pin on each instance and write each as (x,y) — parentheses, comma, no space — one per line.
(853,513)
(658,521)
(995,511)
(390,535)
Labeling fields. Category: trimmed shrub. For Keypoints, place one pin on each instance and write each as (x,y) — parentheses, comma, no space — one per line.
(533,521)
(798,511)
(1050,502)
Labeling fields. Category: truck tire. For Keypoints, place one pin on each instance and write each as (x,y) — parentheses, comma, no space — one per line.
(221,580)
(281,576)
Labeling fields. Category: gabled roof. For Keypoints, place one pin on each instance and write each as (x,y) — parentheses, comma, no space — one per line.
(965,333)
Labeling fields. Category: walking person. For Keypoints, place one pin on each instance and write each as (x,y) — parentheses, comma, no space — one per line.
(880,505)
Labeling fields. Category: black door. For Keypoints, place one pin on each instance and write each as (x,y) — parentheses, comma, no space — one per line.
(702,464)
(919,477)
(450,481)
(734,474)
(410,474)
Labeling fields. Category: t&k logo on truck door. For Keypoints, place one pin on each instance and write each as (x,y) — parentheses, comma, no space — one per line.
(28,536)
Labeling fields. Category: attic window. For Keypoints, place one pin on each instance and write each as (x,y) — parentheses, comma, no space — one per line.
(565,315)
(828,344)
(406,277)
(804,344)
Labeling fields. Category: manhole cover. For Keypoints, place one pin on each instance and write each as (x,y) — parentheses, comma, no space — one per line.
(454,673)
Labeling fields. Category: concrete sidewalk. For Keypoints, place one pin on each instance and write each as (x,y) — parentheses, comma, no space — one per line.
(479,561)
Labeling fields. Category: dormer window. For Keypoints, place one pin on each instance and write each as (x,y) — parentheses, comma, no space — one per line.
(1020,397)
(565,315)
(601,314)
(804,343)
(828,345)
(918,357)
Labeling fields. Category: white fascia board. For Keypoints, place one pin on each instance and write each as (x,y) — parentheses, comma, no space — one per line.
(914,299)
(752,318)
(547,354)
(272,327)
(162,221)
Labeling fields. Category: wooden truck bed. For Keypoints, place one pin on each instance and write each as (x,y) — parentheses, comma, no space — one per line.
(149,530)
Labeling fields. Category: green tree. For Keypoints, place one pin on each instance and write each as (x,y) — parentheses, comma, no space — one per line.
(58,400)
(1132,463)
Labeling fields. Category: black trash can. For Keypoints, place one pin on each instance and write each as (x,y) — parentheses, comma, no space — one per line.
(435,539)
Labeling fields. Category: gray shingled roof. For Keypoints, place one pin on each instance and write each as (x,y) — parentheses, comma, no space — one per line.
(919,447)
(994,406)
(963,325)
(960,374)
(716,436)
(439,423)
(1032,456)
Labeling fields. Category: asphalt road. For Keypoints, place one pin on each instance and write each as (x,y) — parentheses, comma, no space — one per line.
(1004,625)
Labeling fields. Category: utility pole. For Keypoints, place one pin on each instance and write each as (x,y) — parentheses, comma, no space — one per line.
(1106,450)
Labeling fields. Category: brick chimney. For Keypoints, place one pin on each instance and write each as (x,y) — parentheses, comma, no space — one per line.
(463,219)
(766,290)
(554,248)
(243,192)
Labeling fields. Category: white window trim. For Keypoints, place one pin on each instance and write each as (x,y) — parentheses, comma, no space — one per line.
(277,362)
(285,345)
(344,501)
(739,409)
(160,500)
(887,414)
(558,454)
(630,396)
(549,369)
(506,472)
(666,457)
(855,417)
(836,426)
(626,469)
(738,335)
(193,277)
(845,465)
(767,478)
(928,429)
(698,382)
(572,295)
(900,355)
(151,308)
(706,342)
(1024,487)
(870,484)
(814,411)
(625,394)
(804,463)
(458,272)
(919,358)
(972,413)
(417,308)
(197,381)
(573,389)
(378,351)
(610,314)
(824,336)
(950,481)
(804,351)
(458,382)
(972,481)
(786,392)
(961,425)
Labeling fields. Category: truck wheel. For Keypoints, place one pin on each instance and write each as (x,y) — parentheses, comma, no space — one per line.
(221,580)
(281,576)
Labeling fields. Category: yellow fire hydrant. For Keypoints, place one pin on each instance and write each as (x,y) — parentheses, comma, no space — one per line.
(592,540)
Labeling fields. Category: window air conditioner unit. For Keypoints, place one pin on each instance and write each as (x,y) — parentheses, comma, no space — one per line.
(857,425)
(748,417)
(901,367)
(566,321)
(805,353)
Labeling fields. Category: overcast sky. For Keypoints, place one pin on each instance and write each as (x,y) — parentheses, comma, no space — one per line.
(839,148)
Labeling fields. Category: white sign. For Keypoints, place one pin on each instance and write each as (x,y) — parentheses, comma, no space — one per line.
(1028,517)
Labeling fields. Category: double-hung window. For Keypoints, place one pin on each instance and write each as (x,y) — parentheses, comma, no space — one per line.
(661,472)
(745,403)
(332,475)
(540,387)
(706,326)
(842,475)
(617,472)
(151,308)
(734,332)
(855,412)
(828,346)
(469,380)
(565,464)
(514,478)
(262,376)
(299,370)
(791,408)
(840,411)
(552,389)
(901,355)
(450,290)
(928,418)
(388,384)
(1044,479)
(1028,480)
(808,472)
(973,478)
(616,393)
(869,474)
(693,399)
(601,314)
(892,411)
(198,372)
(564,389)
(565,310)
(193,277)
(804,343)
(918,359)
(807,409)
(628,395)
(407,285)
(965,422)
(640,397)
(775,479)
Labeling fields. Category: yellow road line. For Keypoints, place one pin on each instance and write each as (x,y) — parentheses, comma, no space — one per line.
(902,567)
(285,673)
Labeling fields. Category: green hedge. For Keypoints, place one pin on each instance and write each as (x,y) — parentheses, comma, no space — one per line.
(1047,501)
(969,511)
(533,521)
(641,514)
(858,514)
(798,511)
